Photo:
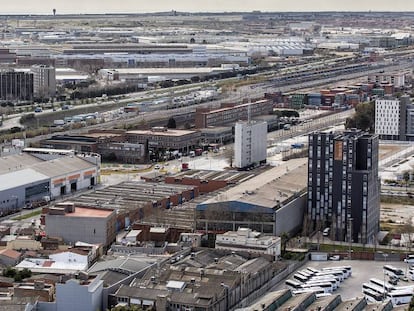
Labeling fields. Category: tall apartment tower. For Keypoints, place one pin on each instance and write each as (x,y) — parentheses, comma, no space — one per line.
(343,185)
(16,85)
(44,81)
(250,143)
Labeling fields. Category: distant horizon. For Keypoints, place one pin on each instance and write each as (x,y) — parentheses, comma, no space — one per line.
(84,7)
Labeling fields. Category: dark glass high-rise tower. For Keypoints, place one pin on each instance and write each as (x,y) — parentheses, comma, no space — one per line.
(343,185)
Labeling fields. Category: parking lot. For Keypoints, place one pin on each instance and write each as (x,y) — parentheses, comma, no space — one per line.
(362,271)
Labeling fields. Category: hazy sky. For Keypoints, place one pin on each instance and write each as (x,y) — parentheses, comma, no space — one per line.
(139,6)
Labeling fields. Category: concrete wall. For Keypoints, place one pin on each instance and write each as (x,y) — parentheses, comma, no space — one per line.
(81,178)
(73,296)
(289,218)
(92,230)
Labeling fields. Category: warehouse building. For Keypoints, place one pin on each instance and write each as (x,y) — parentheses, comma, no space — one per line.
(27,178)
(271,203)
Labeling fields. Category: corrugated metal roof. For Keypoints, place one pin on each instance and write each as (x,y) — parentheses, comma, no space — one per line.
(62,166)
(20,178)
(17,162)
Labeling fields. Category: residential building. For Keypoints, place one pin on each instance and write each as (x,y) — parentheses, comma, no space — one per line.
(246,240)
(250,145)
(230,113)
(9,257)
(40,289)
(393,118)
(395,78)
(16,85)
(44,81)
(73,224)
(343,185)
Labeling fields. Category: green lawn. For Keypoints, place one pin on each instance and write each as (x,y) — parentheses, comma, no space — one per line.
(29,215)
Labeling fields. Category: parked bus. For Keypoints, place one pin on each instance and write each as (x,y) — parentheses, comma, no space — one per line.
(335,282)
(372,296)
(388,287)
(347,268)
(399,297)
(393,271)
(313,270)
(345,271)
(374,288)
(328,288)
(293,284)
(317,290)
(304,273)
(300,277)
(339,274)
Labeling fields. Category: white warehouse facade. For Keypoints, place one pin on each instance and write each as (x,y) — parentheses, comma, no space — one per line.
(250,143)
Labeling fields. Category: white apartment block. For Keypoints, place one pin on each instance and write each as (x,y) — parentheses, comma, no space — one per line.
(250,143)
(388,118)
(44,81)
(397,79)
(244,239)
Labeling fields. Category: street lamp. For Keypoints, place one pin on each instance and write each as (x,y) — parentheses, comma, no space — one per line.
(383,271)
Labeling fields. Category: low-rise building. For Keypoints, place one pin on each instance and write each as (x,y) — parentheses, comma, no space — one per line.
(9,257)
(246,240)
(73,224)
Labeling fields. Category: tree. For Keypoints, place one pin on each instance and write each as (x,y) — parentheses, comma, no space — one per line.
(284,239)
(54,12)
(411,306)
(171,124)
(406,178)
(364,117)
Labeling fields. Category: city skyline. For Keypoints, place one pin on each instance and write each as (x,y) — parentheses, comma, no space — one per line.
(131,6)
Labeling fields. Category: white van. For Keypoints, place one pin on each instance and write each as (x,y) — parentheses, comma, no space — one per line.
(409,259)
(326,231)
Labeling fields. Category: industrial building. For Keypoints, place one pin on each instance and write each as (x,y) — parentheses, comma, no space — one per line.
(343,185)
(395,78)
(230,113)
(162,139)
(27,178)
(246,240)
(272,202)
(394,118)
(74,224)
(250,144)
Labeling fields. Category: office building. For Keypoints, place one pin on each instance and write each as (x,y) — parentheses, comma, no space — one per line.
(343,185)
(250,145)
(230,113)
(16,85)
(44,81)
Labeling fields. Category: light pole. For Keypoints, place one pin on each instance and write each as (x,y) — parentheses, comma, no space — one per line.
(383,271)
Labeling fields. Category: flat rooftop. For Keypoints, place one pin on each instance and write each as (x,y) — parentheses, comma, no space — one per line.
(267,189)
(169,132)
(229,176)
(89,212)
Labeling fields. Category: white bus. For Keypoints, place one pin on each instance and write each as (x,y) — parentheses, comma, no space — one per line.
(399,297)
(317,290)
(335,282)
(300,277)
(317,281)
(312,270)
(372,296)
(374,288)
(293,284)
(338,274)
(393,271)
(347,273)
(328,288)
(388,287)
(304,273)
